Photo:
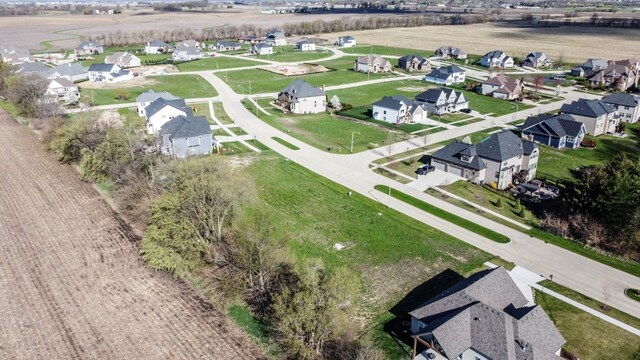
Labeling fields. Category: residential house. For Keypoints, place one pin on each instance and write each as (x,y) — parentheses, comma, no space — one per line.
(261,49)
(414,62)
(32,68)
(588,68)
(189,44)
(442,101)
(88,48)
(501,87)
(185,136)
(597,116)
(558,131)
(71,71)
(108,72)
(184,53)
(276,38)
(618,75)
(63,90)
(496,58)
(345,41)
(123,59)
(372,63)
(628,106)
(226,46)
(150,96)
(536,59)
(300,97)
(306,45)
(157,47)
(161,110)
(14,56)
(486,316)
(397,109)
(494,160)
(450,52)
(446,75)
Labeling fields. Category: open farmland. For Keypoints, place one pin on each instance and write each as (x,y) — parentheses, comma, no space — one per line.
(73,286)
(573,43)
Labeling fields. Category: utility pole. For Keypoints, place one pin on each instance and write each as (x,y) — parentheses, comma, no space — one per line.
(352,138)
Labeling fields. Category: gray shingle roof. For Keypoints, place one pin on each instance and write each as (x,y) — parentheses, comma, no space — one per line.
(589,108)
(227,43)
(487,312)
(150,96)
(432,95)
(500,146)
(409,58)
(32,67)
(64,82)
(158,43)
(450,50)
(552,125)
(101,67)
(302,89)
(393,102)
(452,152)
(622,99)
(70,69)
(185,127)
(345,38)
(161,103)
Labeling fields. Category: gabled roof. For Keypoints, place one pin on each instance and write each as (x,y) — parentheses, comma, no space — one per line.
(187,50)
(535,56)
(262,46)
(150,96)
(32,67)
(345,38)
(500,146)
(494,54)
(227,43)
(393,102)
(594,64)
(70,69)
(452,153)
(275,34)
(161,103)
(102,67)
(409,58)
(372,59)
(451,50)
(443,72)
(589,108)
(303,42)
(185,127)
(621,99)
(158,43)
(432,95)
(120,57)
(187,43)
(487,312)
(88,44)
(506,83)
(302,89)
(556,126)
(64,82)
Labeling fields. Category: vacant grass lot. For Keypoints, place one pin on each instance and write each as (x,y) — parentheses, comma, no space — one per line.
(386,51)
(184,86)
(256,81)
(390,252)
(217,63)
(290,54)
(96,59)
(588,337)
(327,132)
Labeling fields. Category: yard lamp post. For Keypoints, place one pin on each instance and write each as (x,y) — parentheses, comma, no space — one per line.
(352,138)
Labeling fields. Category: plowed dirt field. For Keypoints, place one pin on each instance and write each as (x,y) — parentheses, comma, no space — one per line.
(71,282)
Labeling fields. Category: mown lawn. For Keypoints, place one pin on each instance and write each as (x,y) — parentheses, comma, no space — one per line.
(221,115)
(184,86)
(364,113)
(216,63)
(367,95)
(256,81)
(143,57)
(290,54)
(588,337)
(327,132)
(386,50)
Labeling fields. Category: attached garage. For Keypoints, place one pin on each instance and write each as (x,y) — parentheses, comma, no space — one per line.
(438,165)
(455,170)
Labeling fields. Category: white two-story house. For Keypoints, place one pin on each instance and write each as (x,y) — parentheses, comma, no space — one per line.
(397,109)
(300,97)
(160,111)
(496,58)
(446,75)
(442,101)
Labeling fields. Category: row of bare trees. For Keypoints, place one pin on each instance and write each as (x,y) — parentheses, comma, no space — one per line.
(120,38)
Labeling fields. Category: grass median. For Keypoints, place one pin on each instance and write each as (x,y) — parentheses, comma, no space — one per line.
(455,219)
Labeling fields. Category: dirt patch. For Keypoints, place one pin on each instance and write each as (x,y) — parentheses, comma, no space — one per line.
(136,81)
(295,69)
(73,285)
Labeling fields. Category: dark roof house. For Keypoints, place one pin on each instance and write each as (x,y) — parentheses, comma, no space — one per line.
(161,103)
(486,314)
(559,131)
(588,108)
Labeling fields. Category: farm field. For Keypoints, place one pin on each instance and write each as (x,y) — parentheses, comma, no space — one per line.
(573,43)
(329,133)
(216,63)
(73,284)
(184,86)
(257,81)
(386,51)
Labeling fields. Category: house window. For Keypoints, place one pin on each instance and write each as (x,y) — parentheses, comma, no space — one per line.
(570,139)
(497,174)
(464,158)
(385,112)
(193,141)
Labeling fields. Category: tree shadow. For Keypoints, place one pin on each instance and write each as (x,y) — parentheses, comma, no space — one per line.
(399,328)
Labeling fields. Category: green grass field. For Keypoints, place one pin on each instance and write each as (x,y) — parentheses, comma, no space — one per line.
(221,115)
(327,132)
(589,337)
(217,63)
(386,50)
(455,219)
(143,57)
(290,54)
(364,113)
(256,81)
(184,86)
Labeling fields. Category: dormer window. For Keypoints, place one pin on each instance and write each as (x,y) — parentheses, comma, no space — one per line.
(465,158)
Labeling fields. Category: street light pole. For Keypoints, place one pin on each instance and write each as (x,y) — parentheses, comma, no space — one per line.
(352,139)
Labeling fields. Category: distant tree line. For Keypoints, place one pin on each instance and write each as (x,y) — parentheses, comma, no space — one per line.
(120,38)
(571,20)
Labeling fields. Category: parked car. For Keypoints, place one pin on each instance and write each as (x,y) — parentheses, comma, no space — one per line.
(424,170)
(466,111)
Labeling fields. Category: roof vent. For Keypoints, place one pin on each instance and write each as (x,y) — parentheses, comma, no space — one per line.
(476,318)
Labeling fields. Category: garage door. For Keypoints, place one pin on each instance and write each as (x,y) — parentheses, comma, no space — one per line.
(455,170)
(439,165)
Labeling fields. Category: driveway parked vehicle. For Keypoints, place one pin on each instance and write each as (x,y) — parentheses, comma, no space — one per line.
(425,169)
